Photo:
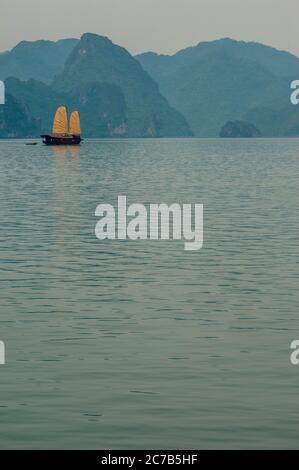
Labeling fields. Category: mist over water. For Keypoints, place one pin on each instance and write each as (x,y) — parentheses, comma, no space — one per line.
(140,344)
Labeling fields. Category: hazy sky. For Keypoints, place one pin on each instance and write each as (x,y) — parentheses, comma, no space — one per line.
(163,26)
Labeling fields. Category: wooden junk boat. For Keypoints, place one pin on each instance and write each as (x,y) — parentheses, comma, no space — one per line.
(62,133)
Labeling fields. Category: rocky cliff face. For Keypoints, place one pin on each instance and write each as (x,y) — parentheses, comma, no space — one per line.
(16,120)
(102,106)
(146,113)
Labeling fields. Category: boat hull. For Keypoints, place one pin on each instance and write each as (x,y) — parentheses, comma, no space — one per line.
(61,140)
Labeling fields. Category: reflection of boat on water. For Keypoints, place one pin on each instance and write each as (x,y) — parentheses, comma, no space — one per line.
(62,133)
(69,151)
(67,189)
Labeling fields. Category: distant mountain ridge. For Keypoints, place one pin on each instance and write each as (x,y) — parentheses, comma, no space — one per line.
(195,91)
(215,82)
(40,60)
(114,95)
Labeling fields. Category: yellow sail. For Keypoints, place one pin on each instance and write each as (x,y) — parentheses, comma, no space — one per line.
(75,123)
(60,124)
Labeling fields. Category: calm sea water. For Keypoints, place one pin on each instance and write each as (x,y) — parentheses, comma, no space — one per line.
(123,344)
